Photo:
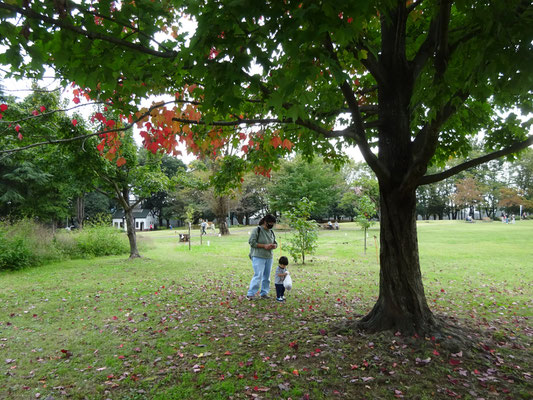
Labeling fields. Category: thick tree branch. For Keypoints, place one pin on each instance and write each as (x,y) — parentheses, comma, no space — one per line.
(436,42)
(442,49)
(358,129)
(90,35)
(425,180)
(426,141)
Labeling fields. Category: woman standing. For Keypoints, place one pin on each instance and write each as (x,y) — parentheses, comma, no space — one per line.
(262,243)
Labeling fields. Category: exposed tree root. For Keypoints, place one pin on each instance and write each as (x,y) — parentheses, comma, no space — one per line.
(439,329)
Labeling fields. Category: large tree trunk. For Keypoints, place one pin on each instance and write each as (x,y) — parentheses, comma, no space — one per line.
(222,226)
(80,210)
(132,237)
(221,212)
(402,304)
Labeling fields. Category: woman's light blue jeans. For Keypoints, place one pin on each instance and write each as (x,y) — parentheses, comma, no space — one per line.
(261,278)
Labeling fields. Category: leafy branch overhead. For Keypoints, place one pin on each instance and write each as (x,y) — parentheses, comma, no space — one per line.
(291,70)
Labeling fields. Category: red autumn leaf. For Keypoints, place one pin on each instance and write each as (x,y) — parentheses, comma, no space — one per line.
(35,112)
(454,362)
(295,372)
(20,137)
(121,161)
(227,353)
(276,142)
(341,16)
(76,100)
(121,357)
(110,123)
(287,144)
(115,317)
(3,107)
(436,353)
(213,53)
(74,122)
(17,128)
(245,149)
(42,108)
(350,20)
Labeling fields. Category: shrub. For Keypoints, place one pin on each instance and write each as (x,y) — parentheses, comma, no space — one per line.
(27,243)
(14,252)
(34,242)
(100,241)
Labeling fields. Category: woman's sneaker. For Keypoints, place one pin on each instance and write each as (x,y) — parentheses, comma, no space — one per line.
(280,299)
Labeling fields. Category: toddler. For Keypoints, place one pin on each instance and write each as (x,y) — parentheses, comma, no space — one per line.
(281,273)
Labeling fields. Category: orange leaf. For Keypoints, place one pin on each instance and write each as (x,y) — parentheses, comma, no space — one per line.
(121,161)
(287,144)
(276,142)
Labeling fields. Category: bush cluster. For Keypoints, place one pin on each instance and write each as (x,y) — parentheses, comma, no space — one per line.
(27,243)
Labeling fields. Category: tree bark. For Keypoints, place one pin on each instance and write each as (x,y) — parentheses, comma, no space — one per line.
(222,225)
(221,212)
(402,304)
(80,210)
(132,236)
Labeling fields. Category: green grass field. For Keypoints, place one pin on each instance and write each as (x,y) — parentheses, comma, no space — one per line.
(176,325)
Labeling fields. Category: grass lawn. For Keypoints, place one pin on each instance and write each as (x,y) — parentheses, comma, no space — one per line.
(176,324)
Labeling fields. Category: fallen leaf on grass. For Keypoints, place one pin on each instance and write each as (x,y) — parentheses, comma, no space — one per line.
(197,368)
(66,353)
(423,362)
